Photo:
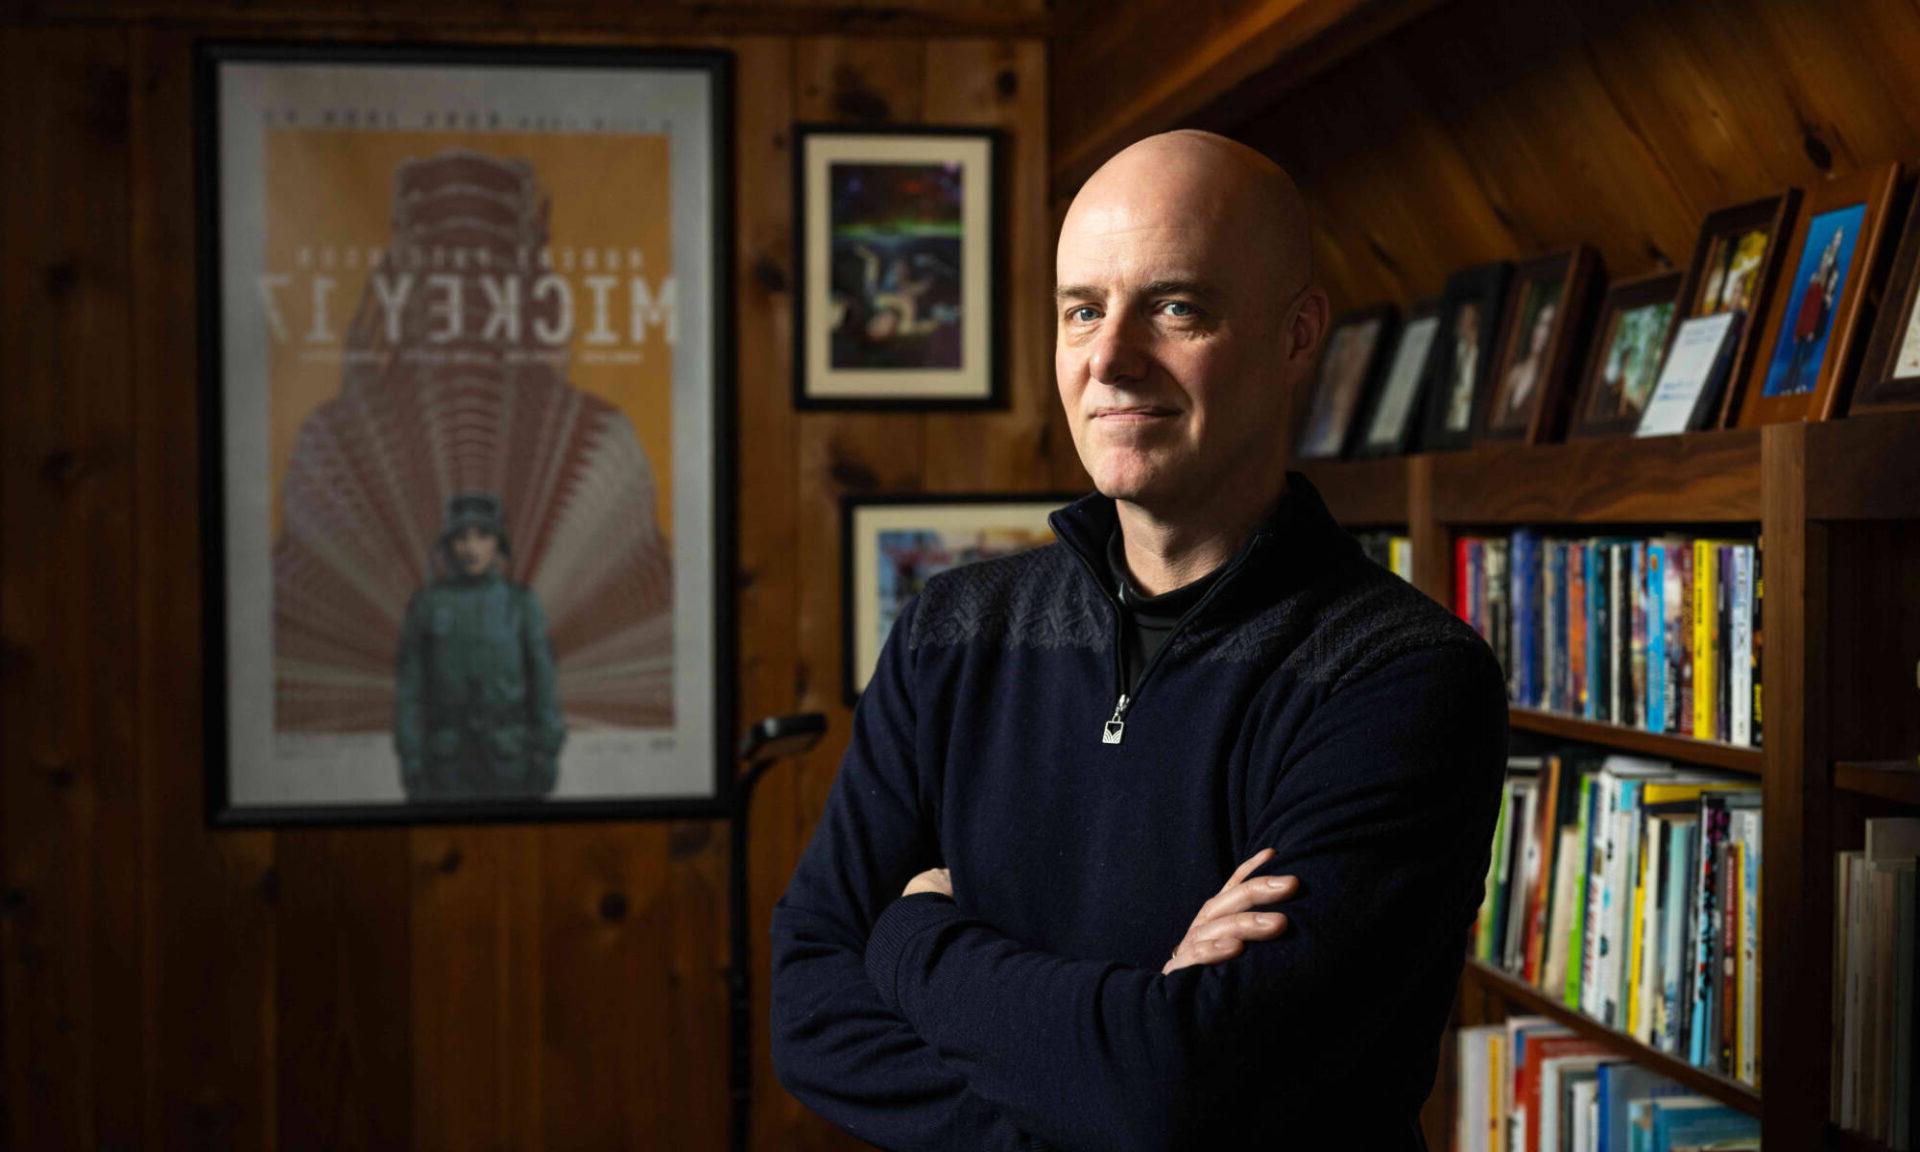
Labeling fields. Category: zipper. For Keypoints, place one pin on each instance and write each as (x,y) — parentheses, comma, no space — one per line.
(1115,728)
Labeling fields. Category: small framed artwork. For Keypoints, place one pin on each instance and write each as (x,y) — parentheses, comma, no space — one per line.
(899,242)
(1349,364)
(466,424)
(1735,263)
(1390,424)
(1635,318)
(1889,379)
(1470,327)
(1687,395)
(1812,331)
(892,545)
(1546,315)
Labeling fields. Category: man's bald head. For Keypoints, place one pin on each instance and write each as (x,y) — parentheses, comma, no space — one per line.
(1206,177)
(1187,321)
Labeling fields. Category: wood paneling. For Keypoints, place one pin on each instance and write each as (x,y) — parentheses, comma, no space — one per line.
(441,987)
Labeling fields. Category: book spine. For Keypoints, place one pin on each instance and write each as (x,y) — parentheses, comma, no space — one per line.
(1636,695)
(1596,593)
(1673,971)
(1759,591)
(1722,642)
(1728,1009)
(1462,546)
(1706,937)
(1573,994)
(1657,682)
(1702,640)
(1577,704)
(1682,653)
(1740,700)
(1610,634)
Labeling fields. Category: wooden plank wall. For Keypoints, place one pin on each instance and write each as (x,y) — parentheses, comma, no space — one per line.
(520,987)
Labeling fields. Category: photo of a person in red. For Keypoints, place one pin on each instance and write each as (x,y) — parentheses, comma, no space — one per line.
(1817,285)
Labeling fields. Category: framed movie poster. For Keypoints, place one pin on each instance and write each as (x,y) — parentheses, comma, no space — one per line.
(899,243)
(1546,315)
(1735,263)
(1390,425)
(466,432)
(1621,369)
(1812,331)
(892,545)
(1469,327)
(1356,345)
(1889,379)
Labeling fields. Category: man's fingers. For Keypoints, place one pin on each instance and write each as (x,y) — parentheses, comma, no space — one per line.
(1245,926)
(1248,894)
(1246,869)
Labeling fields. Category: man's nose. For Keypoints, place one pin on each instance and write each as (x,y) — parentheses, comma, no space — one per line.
(1119,355)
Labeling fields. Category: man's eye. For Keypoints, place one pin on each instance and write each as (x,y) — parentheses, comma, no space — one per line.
(1084,314)
(1180,308)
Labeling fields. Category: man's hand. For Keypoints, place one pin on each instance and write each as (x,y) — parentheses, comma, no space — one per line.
(1224,926)
(932,880)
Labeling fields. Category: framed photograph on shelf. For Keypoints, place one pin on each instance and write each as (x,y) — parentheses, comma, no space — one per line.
(1546,316)
(1735,263)
(466,432)
(1813,331)
(1389,427)
(1469,330)
(1628,340)
(1889,379)
(899,258)
(892,545)
(1350,361)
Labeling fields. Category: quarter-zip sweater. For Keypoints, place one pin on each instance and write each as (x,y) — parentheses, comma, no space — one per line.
(1311,702)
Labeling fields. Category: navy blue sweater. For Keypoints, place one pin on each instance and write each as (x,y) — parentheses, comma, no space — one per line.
(1312,702)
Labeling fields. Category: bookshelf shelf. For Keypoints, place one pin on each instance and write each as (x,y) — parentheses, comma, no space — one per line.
(1510,988)
(1708,753)
(1696,478)
(1896,780)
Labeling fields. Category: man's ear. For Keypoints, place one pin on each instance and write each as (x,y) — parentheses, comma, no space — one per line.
(1309,325)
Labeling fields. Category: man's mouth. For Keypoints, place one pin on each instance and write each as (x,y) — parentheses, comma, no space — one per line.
(1132,413)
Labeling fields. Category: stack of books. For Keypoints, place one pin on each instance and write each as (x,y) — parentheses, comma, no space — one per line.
(1390,551)
(1630,891)
(1530,1085)
(1660,633)
(1874,1077)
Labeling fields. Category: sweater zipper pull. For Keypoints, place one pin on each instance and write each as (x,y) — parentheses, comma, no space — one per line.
(1116,726)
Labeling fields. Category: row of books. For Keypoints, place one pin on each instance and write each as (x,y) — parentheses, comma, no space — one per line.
(1528,1084)
(1659,633)
(1874,1077)
(1630,891)
(1389,550)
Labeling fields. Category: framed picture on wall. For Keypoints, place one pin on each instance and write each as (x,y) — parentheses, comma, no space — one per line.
(466,432)
(1356,347)
(1813,332)
(1735,263)
(1390,425)
(1470,326)
(1624,362)
(899,257)
(892,545)
(1546,316)
(1889,379)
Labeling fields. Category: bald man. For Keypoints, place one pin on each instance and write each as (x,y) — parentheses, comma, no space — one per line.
(1171,832)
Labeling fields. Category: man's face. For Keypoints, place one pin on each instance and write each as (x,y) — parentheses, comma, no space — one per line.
(475,550)
(1173,351)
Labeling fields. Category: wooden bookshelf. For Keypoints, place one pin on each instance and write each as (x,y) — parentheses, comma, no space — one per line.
(1532,1000)
(1707,753)
(1837,506)
(1361,493)
(1896,780)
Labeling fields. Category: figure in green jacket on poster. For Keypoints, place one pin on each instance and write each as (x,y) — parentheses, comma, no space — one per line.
(476,714)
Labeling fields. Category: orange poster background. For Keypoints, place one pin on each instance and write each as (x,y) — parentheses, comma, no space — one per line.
(332,190)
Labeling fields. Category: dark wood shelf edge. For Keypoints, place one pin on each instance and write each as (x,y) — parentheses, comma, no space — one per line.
(1845,1140)
(1896,780)
(1729,1092)
(1708,753)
